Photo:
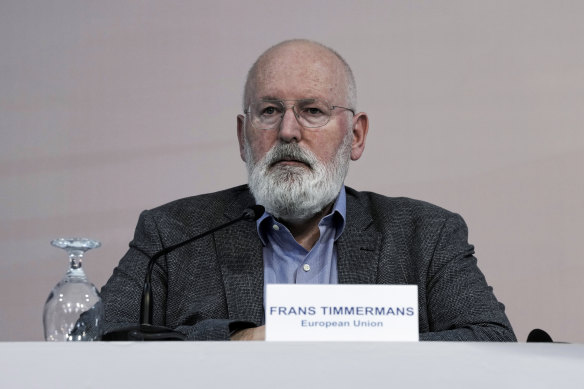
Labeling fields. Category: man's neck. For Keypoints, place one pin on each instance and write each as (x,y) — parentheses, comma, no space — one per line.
(306,232)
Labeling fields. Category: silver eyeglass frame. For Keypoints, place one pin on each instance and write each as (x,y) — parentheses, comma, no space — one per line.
(296,115)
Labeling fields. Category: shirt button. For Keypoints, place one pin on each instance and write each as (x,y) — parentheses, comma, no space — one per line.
(275,227)
(306,267)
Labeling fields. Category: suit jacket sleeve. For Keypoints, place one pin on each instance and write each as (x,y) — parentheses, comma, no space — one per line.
(460,305)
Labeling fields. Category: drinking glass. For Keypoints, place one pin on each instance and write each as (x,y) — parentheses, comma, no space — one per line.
(73,311)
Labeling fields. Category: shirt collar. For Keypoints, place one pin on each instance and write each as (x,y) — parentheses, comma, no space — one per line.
(337,217)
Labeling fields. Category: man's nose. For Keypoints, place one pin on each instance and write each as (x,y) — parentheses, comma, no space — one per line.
(289,129)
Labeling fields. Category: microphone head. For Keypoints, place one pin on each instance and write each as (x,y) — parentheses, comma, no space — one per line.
(253,212)
(539,336)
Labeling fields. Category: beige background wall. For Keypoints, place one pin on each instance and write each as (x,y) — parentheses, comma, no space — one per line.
(111,107)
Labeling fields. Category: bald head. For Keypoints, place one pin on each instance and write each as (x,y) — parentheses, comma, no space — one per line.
(307,59)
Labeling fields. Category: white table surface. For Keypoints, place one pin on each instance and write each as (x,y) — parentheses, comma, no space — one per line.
(290,365)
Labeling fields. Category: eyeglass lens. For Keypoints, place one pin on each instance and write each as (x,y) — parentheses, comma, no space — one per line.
(310,113)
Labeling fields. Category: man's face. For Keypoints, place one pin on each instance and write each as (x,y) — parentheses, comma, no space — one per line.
(304,165)
(294,73)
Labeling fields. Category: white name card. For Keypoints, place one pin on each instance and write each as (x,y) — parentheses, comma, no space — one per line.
(297,312)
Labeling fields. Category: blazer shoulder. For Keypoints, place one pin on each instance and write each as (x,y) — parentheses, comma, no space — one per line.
(210,206)
(384,209)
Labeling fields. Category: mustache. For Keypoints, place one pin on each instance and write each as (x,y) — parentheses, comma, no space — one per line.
(290,152)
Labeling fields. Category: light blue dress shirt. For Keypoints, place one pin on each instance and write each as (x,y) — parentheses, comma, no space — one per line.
(287,262)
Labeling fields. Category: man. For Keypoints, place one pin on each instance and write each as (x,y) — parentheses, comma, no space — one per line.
(298,132)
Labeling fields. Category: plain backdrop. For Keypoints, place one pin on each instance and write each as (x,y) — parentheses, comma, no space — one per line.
(112,107)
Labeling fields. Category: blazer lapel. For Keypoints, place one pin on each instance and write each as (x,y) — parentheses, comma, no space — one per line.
(358,246)
(240,254)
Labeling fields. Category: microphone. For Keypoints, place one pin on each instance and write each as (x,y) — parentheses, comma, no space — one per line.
(147,331)
(539,336)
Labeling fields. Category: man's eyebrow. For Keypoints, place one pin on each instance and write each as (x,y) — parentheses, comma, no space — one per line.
(269,98)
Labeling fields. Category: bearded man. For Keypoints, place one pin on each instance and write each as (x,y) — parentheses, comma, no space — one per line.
(299,130)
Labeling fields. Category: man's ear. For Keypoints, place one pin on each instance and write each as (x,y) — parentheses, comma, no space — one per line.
(360,128)
(241,135)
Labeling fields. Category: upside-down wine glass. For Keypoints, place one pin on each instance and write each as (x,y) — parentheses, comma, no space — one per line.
(74,297)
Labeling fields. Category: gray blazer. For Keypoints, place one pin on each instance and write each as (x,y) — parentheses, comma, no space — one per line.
(215,285)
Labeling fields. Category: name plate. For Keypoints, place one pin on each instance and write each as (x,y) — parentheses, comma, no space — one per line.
(297,312)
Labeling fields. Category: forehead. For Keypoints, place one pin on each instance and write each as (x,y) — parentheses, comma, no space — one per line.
(299,72)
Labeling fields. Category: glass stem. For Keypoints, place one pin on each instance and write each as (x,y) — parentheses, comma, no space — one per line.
(75,259)
(75,263)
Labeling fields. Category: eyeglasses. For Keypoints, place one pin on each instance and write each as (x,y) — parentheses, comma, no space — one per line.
(310,113)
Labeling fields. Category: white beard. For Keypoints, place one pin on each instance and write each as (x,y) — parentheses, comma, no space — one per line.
(296,193)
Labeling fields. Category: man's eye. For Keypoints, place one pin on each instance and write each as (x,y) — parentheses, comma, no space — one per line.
(312,111)
(269,111)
